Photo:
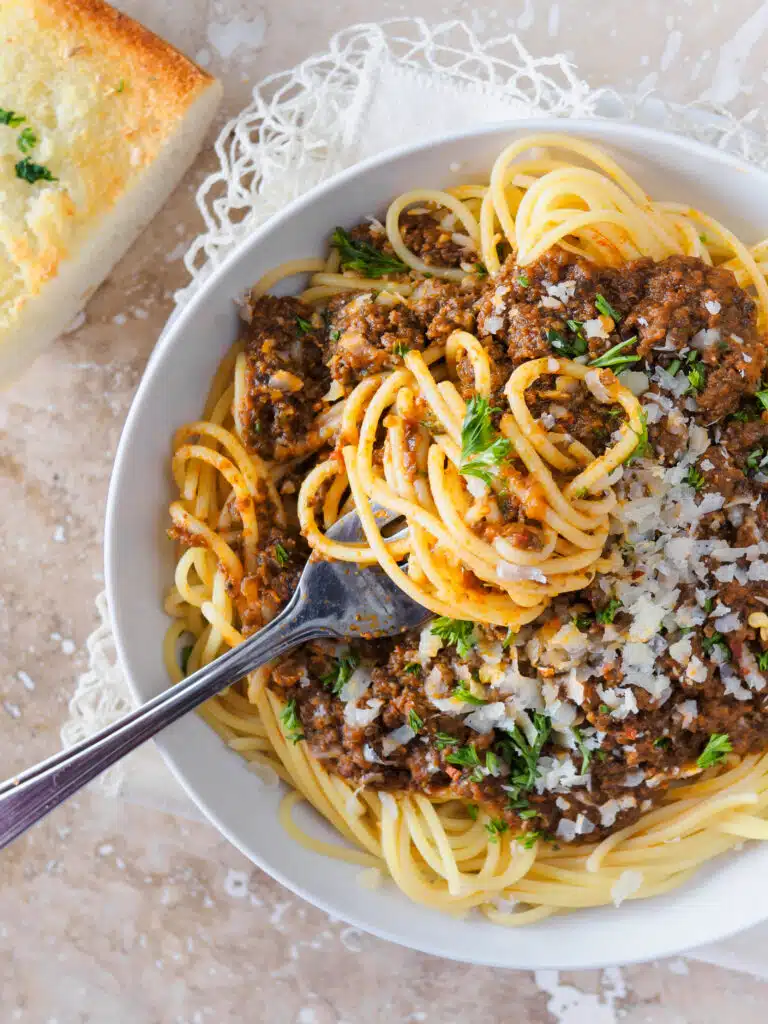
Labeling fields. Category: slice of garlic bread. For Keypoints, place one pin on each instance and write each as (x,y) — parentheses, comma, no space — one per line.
(99,120)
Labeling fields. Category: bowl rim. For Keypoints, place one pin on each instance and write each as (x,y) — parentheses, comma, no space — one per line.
(608,131)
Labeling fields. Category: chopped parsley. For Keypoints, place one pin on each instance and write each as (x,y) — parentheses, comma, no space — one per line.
(413,669)
(694,478)
(341,673)
(482,448)
(697,375)
(529,839)
(586,755)
(509,639)
(762,397)
(673,367)
(606,615)
(643,445)
(762,661)
(291,723)
(709,643)
(602,305)
(708,605)
(604,709)
(522,280)
(582,621)
(415,721)
(612,358)
(662,743)
(282,556)
(303,325)
(365,258)
(11,118)
(481,270)
(462,693)
(522,756)
(334,334)
(756,458)
(456,632)
(32,173)
(577,328)
(400,349)
(472,810)
(570,347)
(464,757)
(120,87)
(718,746)
(444,739)
(495,827)
(27,140)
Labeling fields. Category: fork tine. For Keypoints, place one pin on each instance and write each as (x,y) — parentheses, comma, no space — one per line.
(349,528)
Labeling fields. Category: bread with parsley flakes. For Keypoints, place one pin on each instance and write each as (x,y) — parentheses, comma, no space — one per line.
(99,120)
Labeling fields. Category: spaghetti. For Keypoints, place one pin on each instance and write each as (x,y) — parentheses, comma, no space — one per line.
(556,381)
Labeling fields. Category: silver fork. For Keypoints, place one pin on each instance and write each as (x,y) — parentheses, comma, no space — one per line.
(333,599)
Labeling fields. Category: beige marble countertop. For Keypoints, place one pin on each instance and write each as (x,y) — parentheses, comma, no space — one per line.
(114,913)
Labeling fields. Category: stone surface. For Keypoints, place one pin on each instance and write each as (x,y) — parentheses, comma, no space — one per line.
(111,912)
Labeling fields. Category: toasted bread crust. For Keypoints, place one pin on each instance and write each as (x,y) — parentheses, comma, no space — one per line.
(124,39)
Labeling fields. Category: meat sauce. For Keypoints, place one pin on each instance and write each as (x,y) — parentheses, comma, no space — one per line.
(703,359)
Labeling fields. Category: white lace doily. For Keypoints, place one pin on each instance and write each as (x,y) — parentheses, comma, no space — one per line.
(306,124)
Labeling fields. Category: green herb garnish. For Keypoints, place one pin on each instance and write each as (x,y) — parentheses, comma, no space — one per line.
(718,746)
(586,755)
(756,458)
(694,478)
(762,397)
(456,632)
(604,709)
(582,621)
(577,327)
(613,358)
(482,448)
(662,743)
(570,347)
(335,334)
(523,281)
(120,87)
(291,723)
(32,173)
(673,367)
(365,258)
(472,810)
(27,140)
(709,643)
(495,827)
(481,270)
(413,669)
(462,693)
(643,445)
(522,756)
(602,305)
(697,375)
(303,325)
(606,615)
(341,673)
(282,556)
(762,661)
(464,757)
(400,349)
(415,721)
(444,739)
(509,639)
(11,118)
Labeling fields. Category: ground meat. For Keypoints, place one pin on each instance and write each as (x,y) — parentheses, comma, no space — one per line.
(556,306)
(367,337)
(434,244)
(285,377)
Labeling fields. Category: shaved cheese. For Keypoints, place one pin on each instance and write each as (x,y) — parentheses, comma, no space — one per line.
(396,738)
(359,717)
(626,885)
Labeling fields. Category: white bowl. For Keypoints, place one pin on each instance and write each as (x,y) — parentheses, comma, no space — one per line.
(728,896)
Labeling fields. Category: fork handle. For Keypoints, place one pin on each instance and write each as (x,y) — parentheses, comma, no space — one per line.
(28,797)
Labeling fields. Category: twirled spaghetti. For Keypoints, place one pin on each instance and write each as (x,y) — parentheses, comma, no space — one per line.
(556,380)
